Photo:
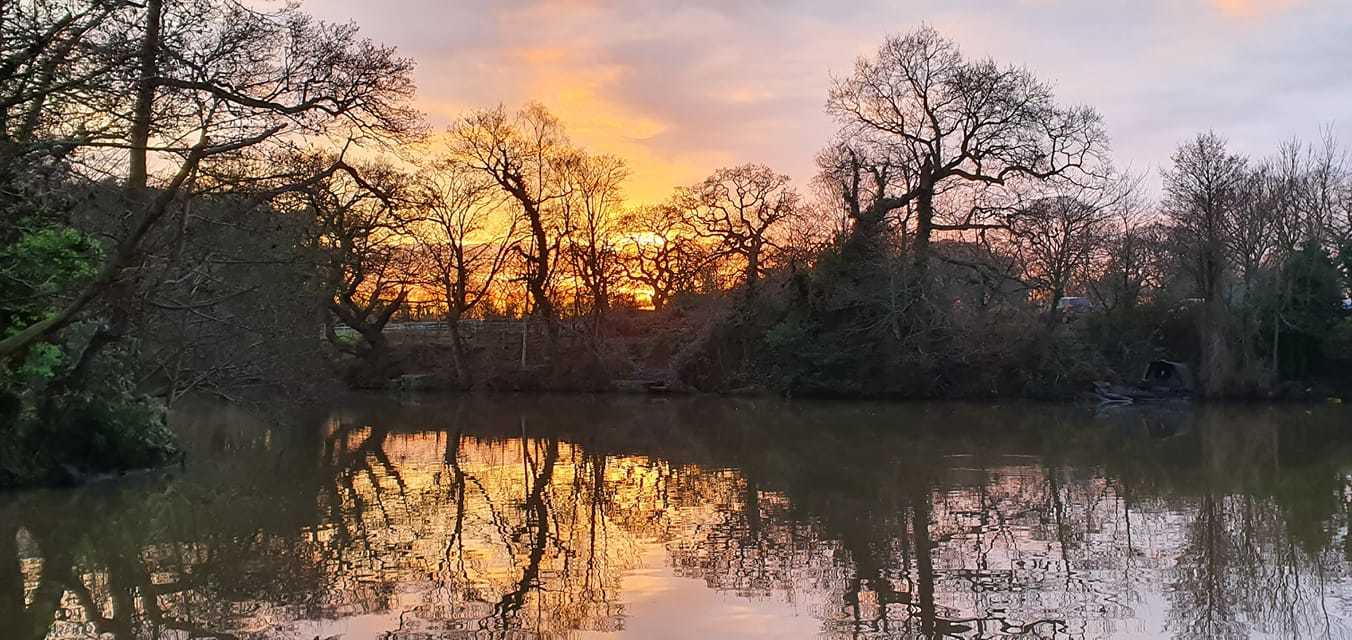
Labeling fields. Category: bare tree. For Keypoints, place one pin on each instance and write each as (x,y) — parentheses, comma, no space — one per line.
(1293,204)
(1134,261)
(465,236)
(1252,229)
(1322,181)
(209,80)
(596,185)
(739,207)
(57,63)
(949,138)
(527,155)
(359,220)
(1058,239)
(857,178)
(662,253)
(1202,192)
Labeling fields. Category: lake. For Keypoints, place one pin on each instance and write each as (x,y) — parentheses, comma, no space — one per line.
(646,517)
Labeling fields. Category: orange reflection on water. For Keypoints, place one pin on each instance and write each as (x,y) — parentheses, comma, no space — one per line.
(363,530)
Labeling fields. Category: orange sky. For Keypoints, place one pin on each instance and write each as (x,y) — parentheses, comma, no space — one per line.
(681,88)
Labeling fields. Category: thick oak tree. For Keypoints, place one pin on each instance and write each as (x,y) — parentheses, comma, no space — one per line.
(949,139)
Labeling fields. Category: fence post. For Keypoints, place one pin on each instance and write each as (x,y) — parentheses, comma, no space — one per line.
(525,328)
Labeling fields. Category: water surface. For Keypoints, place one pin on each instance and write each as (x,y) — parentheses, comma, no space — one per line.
(582,517)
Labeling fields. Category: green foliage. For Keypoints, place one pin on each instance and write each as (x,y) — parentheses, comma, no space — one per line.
(80,434)
(1345,263)
(48,432)
(347,339)
(53,434)
(102,434)
(1316,289)
(38,269)
(1128,338)
(853,327)
(1338,346)
(838,334)
(1313,307)
(42,362)
(44,263)
(819,334)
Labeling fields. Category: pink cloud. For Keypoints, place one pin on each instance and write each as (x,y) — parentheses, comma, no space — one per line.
(1253,8)
(681,87)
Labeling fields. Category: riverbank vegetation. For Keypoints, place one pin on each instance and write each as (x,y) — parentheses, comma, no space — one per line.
(199,195)
(967,235)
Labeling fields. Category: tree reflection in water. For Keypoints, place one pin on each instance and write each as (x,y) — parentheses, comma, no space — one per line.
(507,517)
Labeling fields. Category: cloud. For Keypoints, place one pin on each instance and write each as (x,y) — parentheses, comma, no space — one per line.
(1253,8)
(679,88)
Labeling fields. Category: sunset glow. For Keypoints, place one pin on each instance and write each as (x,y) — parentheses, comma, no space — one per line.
(680,90)
(677,319)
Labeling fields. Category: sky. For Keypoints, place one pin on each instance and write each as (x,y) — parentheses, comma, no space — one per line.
(682,87)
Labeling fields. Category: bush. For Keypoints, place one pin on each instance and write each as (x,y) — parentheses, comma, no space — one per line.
(53,435)
(80,435)
(842,329)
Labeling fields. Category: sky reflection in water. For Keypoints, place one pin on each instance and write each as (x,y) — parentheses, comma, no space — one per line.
(577,517)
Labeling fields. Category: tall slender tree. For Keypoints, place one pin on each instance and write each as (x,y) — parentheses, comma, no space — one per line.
(465,237)
(597,197)
(1202,193)
(527,155)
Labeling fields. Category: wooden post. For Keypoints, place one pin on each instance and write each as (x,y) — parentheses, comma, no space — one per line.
(525,328)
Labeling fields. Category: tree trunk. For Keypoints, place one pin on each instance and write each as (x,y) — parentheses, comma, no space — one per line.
(546,311)
(458,350)
(139,136)
(538,282)
(1276,343)
(924,562)
(376,366)
(1216,358)
(920,244)
(120,291)
(11,578)
(752,268)
(4,108)
(1054,313)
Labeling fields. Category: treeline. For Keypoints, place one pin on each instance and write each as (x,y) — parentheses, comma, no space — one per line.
(975,205)
(966,235)
(196,193)
(504,217)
